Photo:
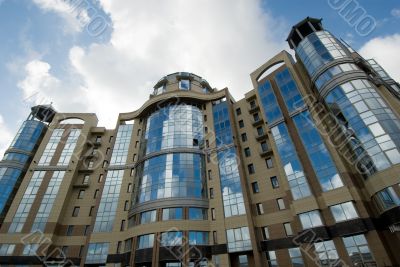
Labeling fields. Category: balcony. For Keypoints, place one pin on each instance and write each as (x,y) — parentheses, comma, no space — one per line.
(253,109)
(265,153)
(261,137)
(258,122)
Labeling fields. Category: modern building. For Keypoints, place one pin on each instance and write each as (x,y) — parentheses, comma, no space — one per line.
(303,171)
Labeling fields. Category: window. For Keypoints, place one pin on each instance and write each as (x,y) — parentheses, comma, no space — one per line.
(96,193)
(243,261)
(358,250)
(244,137)
(86,179)
(213,214)
(30,249)
(260,208)
(139,132)
(256,117)
(172,214)
(75,212)
(252,104)
(269,163)
(108,150)
(86,230)
(197,214)
(98,139)
(209,175)
(274,182)
(91,164)
(119,247)
(238,239)
(215,237)
(238,111)
(272,262)
(64,250)
(251,169)
(255,188)
(110,139)
(122,228)
(128,245)
(344,211)
(260,131)
(211,193)
(205,117)
(247,152)
(97,253)
(70,230)
(288,229)
(241,124)
(265,232)
(206,130)
(137,144)
(91,210)
(129,190)
(198,238)
(171,239)
(134,157)
(7,249)
(327,253)
(145,241)
(81,194)
(264,146)
(310,219)
(281,203)
(81,251)
(295,257)
(126,205)
(101,176)
(105,163)
(184,85)
(148,216)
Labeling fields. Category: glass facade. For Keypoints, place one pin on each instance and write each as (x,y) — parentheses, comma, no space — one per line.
(171,239)
(317,152)
(334,71)
(327,253)
(358,250)
(109,201)
(145,241)
(238,239)
(291,163)
(231,188)
(148,216)
(47,202)
(310,219)
(172,175)
(28,135)
(69,147)
(271,107)
(318,49)
(386,199)
(51,147)
(97,253)
(198,238)
(344,211)
(374,126)
(8,180)
(172,214)
(174,126)
(121,146)
(289,90)
(25,205)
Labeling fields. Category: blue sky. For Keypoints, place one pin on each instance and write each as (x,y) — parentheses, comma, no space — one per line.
(51,51)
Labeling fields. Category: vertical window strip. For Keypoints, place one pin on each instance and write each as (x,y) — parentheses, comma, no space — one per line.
(293,169)
(48,201)
(51,147)
(109,201)
(26,203)
(121,146)
(271,107)
(69,147)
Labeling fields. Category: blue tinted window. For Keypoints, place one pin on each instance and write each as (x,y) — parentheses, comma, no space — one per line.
(289,90)
(270,104)
(8,179)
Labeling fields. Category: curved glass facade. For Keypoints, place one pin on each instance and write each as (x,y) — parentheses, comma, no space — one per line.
(318,49)
(28,135)
(174,126)
(334,71)
(375,126)
(172,175)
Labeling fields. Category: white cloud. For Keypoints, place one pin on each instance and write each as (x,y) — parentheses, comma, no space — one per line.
(5,137)
(395,12)
(40,87)
(385,50)
(222,41)
(75,15)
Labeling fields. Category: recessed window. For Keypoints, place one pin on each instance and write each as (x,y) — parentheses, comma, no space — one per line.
(108,150)
(101,176)
(213,214)
(215,238)
(251,169)
(205,117)
(96,193)
(211,193)
(274,182)
(122,228)
(252,104)
(281,203)
(260,131)
(269,163)
(91,210)
(255,188)
(86,179)
(260,208)
(265,232)
(126,205)
(75,212)
(256,117)
(70,230)
(244,137)
(184,84)
(264,146)
(247,152)
(86,230)
(105,163)
(129,190)
(238,111)
(288,229)
(81,194)
(310,219)
(209,175)
(241,124)
(344,211)
(98,139)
